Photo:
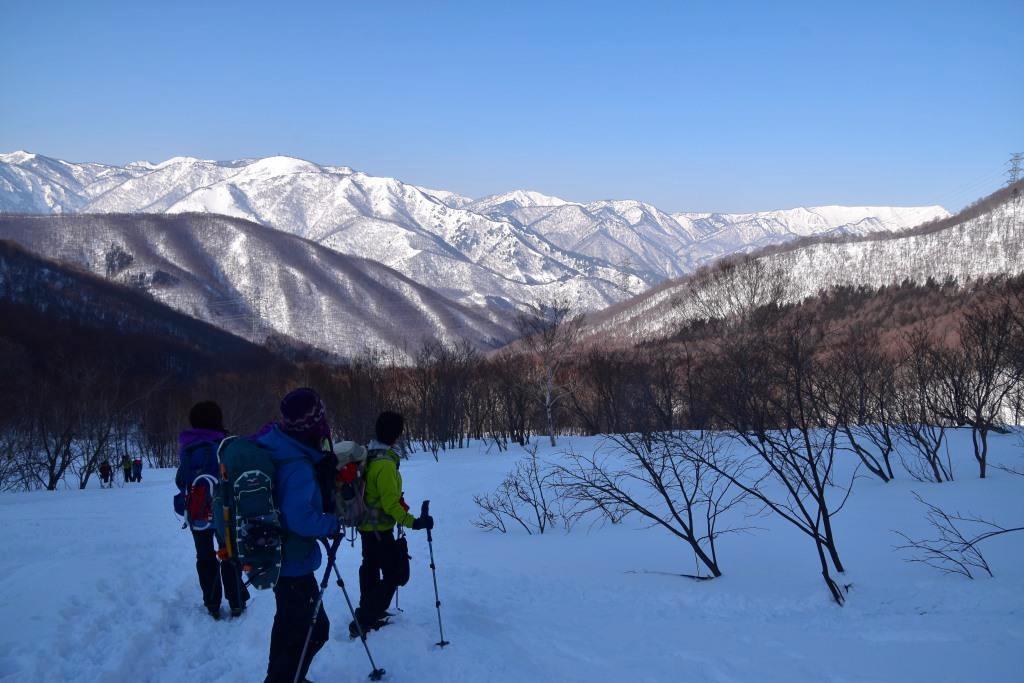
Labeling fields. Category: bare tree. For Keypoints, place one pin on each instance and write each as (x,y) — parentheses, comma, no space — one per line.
(955,549)
(52,426)
(516,397)
(664,477)
(525,497)
(919,424)
(550,333)
(769,391)
(859,398)
(15,459)
(736,288)
(980,374)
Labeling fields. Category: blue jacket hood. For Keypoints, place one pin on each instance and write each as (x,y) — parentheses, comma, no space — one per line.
(284,447)
(297,496)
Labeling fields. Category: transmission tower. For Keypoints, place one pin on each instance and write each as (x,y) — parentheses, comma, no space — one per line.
(1014,173)
(1015,170)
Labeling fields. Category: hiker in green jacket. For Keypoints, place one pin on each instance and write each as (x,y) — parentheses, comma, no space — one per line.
(385,559)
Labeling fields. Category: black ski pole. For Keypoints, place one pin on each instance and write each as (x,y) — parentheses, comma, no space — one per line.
(424,511)
(332,553)
(377,674)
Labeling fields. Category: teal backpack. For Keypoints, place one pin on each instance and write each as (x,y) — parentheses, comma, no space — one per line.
(247,522)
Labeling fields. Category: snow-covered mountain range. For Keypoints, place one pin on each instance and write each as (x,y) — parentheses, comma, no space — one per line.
(499,253)
(986,239)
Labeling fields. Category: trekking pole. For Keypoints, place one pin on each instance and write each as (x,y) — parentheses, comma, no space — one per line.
(377,673)
(331,555)
(424,511)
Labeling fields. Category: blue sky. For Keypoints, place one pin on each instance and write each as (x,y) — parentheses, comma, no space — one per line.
(726,106)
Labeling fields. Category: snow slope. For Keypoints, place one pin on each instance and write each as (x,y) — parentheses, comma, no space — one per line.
(226,271)
(638,236)
(99,585)
(975,246)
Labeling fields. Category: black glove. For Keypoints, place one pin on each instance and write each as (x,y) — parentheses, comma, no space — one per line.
(423,522)
(325,471)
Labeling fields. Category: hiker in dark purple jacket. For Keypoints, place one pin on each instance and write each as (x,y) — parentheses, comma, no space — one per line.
(197,481)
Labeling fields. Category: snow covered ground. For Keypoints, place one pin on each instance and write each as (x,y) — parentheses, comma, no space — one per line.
(99,585)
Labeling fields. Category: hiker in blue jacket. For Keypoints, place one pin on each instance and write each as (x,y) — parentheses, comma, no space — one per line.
(196,480)
(296,444)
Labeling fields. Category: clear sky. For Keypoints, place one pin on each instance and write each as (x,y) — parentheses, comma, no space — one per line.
(726,106)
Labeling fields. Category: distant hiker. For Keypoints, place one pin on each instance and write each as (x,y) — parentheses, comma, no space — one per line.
(126,467)
(385,559)
(295,444)
(196,480)
(137,468)
(106,474)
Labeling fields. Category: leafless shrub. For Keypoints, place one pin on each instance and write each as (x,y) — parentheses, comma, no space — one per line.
(664,477)
(954,550)
(525,497)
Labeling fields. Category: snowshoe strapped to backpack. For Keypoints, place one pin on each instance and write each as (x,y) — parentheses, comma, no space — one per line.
(247,521)
(350,484)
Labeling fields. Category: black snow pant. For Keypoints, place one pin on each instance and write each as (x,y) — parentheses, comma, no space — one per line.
(137,471)
(213,573)
(295,596)
(377,576)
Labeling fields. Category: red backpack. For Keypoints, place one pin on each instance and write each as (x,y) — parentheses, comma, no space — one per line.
(199,502)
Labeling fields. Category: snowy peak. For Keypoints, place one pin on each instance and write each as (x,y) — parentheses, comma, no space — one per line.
(507,202)
(18,157)
(811,220)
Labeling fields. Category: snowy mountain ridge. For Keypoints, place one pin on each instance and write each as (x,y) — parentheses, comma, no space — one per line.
(255,281)
(982,241)
(500,252)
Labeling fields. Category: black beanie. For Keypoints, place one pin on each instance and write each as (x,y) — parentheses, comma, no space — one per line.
(206,415)
(389,427)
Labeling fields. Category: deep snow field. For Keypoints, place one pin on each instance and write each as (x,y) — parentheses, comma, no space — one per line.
(99,585)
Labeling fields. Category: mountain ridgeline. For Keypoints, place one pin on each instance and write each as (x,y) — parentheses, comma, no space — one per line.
(497,255)
(985,239)
(343,261)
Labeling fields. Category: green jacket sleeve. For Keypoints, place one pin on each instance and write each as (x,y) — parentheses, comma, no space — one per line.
(389,488)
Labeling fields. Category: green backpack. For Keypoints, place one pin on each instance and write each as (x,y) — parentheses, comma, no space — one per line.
(247,522)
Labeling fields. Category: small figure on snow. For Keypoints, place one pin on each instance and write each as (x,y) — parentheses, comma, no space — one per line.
(126,467)
(106,475)
(137,468)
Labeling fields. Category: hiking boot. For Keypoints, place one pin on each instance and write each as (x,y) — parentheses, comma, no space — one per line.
(214,612)
(353,629)
(237,612)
